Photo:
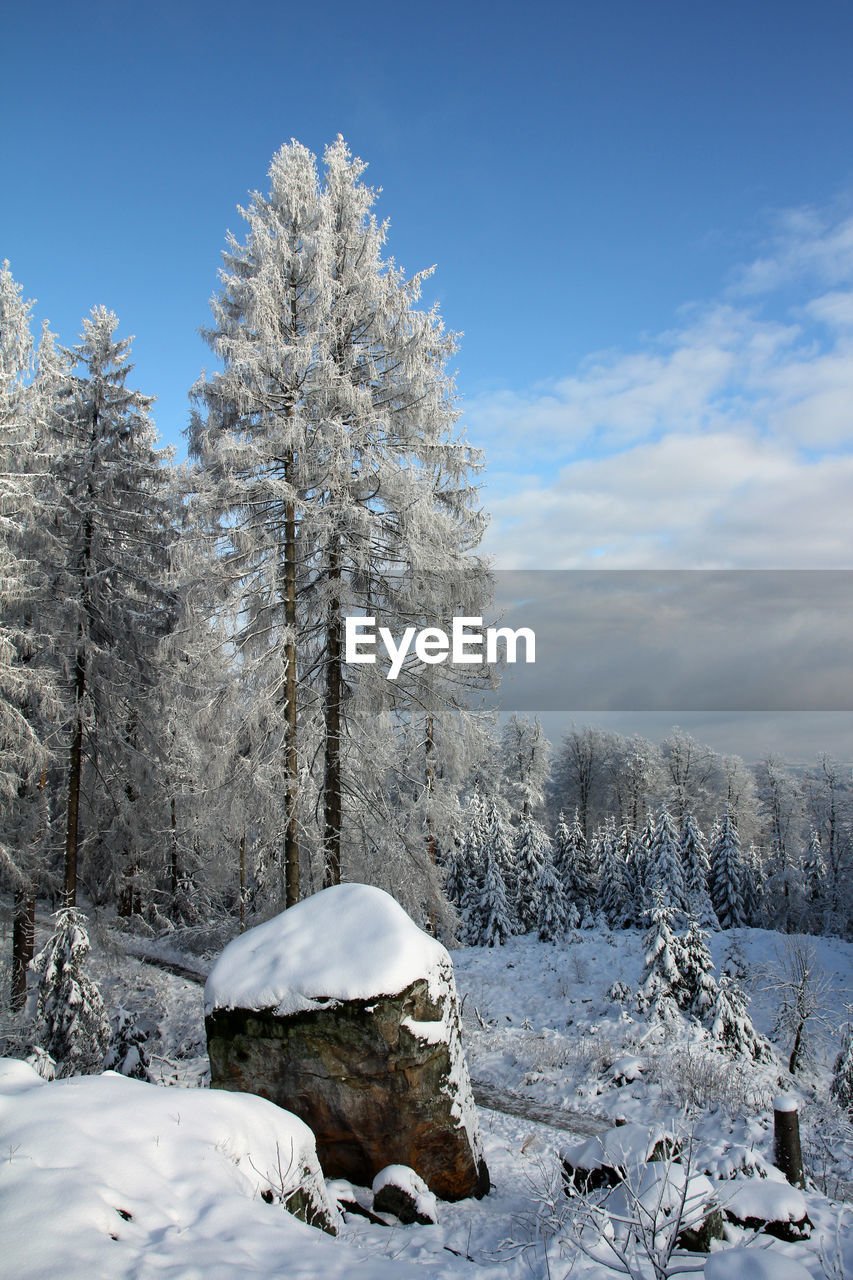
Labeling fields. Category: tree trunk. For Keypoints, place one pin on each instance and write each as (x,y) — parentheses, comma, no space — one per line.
(429,752)
(243,883)
(75,772)
(291,831)
(332,782)
(173,853)
(23,943)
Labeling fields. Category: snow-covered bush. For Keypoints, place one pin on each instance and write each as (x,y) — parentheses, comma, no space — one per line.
(127,1053)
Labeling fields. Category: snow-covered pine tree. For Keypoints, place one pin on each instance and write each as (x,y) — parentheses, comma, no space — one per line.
(109,539)
(612,899)
(696,869)
(127,1053)
(28,687)
(491,920)
(730,1024)
(532,855)
(331,469)
(552,916)
(664,878)
(73,1023)
(696,992)
(637,872)
(575,868)
(727,874)
(841,1088)
(661,976)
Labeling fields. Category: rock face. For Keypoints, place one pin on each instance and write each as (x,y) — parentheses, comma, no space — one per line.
(342,1011)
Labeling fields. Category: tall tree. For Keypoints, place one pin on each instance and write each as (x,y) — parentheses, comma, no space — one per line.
(335,483)
(108,552)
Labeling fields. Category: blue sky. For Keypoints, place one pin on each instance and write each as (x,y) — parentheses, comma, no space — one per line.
(641,214)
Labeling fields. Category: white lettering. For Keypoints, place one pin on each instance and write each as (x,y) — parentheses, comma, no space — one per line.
(396,652)
(432,645)
(461,638)
(511,638)
(354,629)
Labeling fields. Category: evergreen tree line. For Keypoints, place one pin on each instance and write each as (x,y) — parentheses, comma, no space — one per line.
(508,873)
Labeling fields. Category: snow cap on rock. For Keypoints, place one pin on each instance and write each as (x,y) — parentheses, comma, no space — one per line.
(348,942)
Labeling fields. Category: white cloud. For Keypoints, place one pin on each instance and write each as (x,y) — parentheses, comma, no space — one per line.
(726,441)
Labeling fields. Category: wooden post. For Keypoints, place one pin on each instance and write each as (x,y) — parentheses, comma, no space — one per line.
(786,1140)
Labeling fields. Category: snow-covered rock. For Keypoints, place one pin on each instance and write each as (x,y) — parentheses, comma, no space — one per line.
(606,1159)
(104,1176)
(397,1189)
(768,1204)
(343,1011)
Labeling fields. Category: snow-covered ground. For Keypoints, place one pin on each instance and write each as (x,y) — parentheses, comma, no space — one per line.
(539,1020)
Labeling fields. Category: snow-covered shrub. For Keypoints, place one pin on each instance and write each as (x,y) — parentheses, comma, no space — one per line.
(127,1053)
(842,1073)
(73,1025)
(731,1026)
(697,1078)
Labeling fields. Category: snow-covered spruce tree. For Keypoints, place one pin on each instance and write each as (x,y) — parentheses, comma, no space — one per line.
(696,991)
(73,1023)
(532,854)
(612,899)
(841,1088)
(552,915)
(491,919)
(575,869)
(696,869)
(109,539)
(330,470)
(664,877)
(637,872)
(731,1026)
(28,689)
(727,874)
(661,975)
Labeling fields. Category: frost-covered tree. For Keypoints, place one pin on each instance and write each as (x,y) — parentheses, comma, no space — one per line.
(828,792)
(575,868)
(108,552)
(334,479)
(841,1088)
(579,778)
(525,751)
(661,976)
(727,874)
(696,991)
(73,1023)
(490,919)
(532,853)
(552,916)
(664,876)
(637,871)
(691,771)
(731,1026)
(696,869)
(28,686)
(781,807)
(612,898)
(635,769)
